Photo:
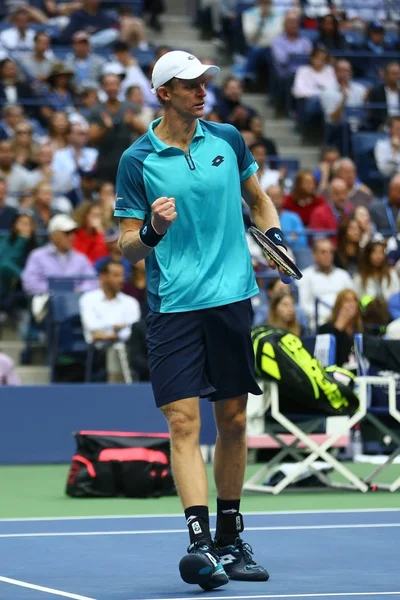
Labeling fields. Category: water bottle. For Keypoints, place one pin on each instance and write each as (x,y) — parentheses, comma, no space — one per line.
(356,442)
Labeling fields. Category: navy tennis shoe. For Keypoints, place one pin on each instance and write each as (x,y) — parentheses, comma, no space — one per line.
(237,560)
(202,566)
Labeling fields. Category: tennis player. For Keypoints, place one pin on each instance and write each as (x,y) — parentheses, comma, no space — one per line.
(179,190)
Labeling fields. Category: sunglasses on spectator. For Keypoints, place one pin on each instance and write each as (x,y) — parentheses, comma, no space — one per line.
(27,131)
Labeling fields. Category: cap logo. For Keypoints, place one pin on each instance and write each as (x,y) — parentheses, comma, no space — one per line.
(190,57)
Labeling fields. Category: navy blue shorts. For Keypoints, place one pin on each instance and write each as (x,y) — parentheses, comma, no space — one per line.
(206,353)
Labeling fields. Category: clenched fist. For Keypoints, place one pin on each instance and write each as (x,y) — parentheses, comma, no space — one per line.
(164,214)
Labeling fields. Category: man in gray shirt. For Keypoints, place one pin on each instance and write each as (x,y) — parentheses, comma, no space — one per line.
(39,62)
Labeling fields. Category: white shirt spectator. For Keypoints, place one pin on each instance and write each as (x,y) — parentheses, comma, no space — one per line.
(392,101)
(365,10)
(269,177)
(387,158)
(313,9)
(377,289)
(325,286)
(332,98)
(99,313)
(258,32)
(10,39)
(308,82)
(64,161)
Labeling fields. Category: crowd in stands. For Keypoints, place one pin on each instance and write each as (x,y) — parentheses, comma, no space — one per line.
(75,92)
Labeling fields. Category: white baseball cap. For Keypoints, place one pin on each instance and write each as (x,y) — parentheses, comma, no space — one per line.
(179,64)
(61,223)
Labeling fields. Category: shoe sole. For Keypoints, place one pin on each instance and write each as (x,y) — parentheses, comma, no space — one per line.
(196,569)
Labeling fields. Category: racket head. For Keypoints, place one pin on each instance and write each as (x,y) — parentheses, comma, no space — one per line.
(275,253)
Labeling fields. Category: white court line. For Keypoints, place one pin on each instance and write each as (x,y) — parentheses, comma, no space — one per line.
(164,531)
(168,515)
(331,595)
(40,588)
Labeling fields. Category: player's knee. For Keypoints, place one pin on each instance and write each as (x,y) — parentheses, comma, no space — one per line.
(232,425)
(183,426)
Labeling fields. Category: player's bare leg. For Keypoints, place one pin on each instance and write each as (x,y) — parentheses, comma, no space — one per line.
(201,565)
(229,467)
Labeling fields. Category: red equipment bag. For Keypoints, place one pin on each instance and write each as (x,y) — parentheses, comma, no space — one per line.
(120,464)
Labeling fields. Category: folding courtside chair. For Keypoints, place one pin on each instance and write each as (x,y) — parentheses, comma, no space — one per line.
(300,438)
(374,414)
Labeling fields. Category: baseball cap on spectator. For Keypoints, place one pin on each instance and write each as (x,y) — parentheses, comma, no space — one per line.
(376,26)
(61,223)
(113,68)
(181,65)
(81,36)
(111,235)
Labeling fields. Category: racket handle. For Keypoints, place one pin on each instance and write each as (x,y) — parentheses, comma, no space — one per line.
(285,278)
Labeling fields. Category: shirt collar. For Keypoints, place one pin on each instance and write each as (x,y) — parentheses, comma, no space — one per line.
(159,146)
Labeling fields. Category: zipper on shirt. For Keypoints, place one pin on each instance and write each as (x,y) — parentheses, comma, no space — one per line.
(190,161)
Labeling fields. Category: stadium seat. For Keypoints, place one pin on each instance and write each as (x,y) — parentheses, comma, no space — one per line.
(310,34)
(65,334)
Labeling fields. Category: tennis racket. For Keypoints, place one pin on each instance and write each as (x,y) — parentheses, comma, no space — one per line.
(275,253)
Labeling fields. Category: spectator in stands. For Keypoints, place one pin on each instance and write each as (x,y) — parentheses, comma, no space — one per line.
(11,114)
(375,45)
(57,259)
(107,314)
(133,73)
(17,177)
(261,25)
(344,94)
(136,286)
(261,302)
(114,252)
(24,146)
(8,374)
(58,130)
(330,35)
(265,174)
(89,236)
(348,251)
(230,106)
(316,9)
(112,126)
(344,322)
(363,12)
(322,281)
(387,151)
(60,96)
(309,83)
(384,214)
(291,223)
(375,278)
(282,313)
(324,172)
(12,89)
(363,218)
(14,250)
(154,8)
(102,28)
(303,199)
(328,215)
(86,65)
(87,100)
(76,158)
(43,205)
(256,126)
(386,94)
(287,43)
(20,36)
(106,201)
(145,114)
(39,62)
(53,174)
(359,194)
(7,213)
(376,315)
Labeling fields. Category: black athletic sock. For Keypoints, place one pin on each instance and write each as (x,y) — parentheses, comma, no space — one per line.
(198,522)
(229,522)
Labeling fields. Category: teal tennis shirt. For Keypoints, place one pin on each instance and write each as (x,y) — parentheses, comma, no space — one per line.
(203,260)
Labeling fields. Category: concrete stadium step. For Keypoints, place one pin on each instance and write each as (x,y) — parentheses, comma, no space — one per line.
(33,375)
(13,348)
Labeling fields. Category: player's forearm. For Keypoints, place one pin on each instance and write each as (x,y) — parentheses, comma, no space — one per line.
(264,215)
(132,247)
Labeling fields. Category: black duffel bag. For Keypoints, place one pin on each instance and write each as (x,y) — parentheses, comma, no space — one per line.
(305,386)
(111,464)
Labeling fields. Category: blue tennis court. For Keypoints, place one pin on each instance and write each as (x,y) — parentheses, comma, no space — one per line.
(339,554)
